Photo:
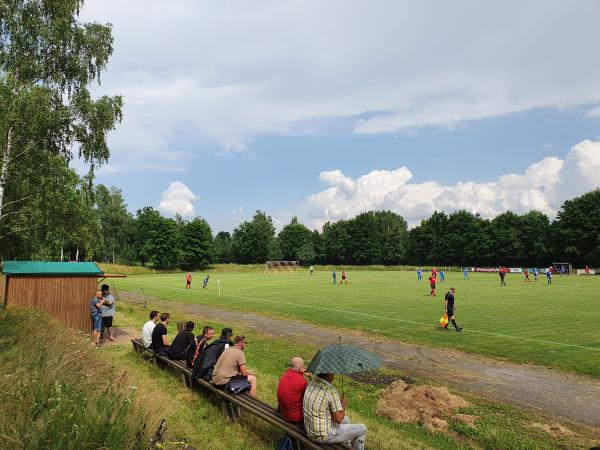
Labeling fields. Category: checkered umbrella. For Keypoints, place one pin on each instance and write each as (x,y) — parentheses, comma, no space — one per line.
(343,359)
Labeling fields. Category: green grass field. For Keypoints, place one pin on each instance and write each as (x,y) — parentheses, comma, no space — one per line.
(552,325)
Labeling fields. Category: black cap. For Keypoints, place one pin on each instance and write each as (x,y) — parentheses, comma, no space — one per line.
(227,332)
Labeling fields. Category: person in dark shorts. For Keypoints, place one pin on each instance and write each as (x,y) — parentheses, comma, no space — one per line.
(502,274)
(108,310)
(344,280)
(188,280)
(432,285)
(450,307)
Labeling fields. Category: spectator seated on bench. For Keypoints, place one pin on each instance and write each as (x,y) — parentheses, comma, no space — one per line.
(203,368)
(179,347)
(232,366)
(325,417)
(148,328)
(160,341)
(290,392)
(198,345)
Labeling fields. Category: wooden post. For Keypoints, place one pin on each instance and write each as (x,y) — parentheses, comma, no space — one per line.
(184,380)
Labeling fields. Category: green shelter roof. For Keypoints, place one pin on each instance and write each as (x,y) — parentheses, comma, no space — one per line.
(50,268)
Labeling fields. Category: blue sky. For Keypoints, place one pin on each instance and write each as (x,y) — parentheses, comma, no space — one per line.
(327,109)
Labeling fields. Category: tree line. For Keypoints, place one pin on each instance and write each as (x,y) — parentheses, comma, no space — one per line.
(75,222)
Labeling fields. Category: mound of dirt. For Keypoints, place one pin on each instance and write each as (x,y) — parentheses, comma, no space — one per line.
(554,430)
(424,405)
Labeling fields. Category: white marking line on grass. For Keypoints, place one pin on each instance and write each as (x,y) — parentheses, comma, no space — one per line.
(393,319)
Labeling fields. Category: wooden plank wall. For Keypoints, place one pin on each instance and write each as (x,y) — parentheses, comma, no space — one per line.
(2,281)
(65,298)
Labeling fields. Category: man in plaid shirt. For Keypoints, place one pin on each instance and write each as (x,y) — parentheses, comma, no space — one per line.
(325,418)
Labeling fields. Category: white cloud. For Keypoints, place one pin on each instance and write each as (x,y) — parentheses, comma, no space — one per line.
(543,186)
(593,113)
(232,70)
(178,199)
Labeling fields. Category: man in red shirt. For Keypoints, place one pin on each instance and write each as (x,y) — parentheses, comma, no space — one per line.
(432,284)
(188,281)
(290,391)
(434,273)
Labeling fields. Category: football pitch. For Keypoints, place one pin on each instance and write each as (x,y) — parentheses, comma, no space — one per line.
(555,326)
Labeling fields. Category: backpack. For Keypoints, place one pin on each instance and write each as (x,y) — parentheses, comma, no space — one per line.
(239,386)
(194,350)
(285,443)
(203,367)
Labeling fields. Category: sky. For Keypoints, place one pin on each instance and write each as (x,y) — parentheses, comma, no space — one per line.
(323,110)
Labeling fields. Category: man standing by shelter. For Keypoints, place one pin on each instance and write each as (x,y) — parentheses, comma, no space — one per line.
(95,304)
(290,391)
(325,417)
(108,310)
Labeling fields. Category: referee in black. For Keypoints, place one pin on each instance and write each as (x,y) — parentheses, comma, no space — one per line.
(449,307)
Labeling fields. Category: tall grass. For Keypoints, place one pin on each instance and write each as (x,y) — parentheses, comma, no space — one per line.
(57,394)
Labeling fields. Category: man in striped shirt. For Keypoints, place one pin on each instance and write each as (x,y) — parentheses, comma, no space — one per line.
(325,418)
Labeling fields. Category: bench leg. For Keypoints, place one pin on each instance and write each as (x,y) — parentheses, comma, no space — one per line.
(237,411)
(228,410)
(184,380)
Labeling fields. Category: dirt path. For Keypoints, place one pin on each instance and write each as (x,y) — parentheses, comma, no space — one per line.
(567,396)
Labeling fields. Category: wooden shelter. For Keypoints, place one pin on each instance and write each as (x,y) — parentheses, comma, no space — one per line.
(61,289)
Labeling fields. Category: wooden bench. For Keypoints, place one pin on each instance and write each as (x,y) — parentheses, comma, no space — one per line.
(232,405)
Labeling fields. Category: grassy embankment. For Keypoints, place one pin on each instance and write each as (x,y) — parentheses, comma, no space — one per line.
(555,325)
(193,418)
(58,394)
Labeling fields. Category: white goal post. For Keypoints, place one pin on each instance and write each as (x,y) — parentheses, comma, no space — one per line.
(282,266)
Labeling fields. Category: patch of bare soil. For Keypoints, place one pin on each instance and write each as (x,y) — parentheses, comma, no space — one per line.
(555,430)
(424,405)
(122,335)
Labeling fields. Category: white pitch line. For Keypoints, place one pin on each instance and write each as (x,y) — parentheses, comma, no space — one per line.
(393,319)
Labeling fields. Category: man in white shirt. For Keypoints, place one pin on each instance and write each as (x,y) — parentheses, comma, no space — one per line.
(148,328)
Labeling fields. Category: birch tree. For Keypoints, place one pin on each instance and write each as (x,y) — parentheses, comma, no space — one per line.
(48,61)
